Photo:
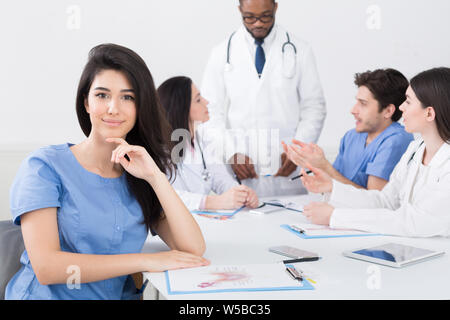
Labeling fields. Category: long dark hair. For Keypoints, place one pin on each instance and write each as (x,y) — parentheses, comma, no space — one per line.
(175,95)
(151,128)
(432,88)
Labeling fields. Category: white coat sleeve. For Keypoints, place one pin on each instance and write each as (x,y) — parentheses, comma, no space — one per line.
(213,89)
(215,132)
(383,212)
(222,176)
(191,200)
(408,220)
(312,100)
(222,179)
(344,195)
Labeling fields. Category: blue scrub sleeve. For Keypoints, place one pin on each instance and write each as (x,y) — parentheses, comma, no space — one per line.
(36,186)
(338,163)
(387,157)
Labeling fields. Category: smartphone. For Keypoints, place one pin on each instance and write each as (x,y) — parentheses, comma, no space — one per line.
(292,252)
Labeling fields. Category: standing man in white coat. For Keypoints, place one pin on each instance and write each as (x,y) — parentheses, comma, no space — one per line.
(264,88)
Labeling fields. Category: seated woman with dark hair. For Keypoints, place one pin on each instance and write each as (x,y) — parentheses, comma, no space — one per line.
(86,209)
(416,200)
(198,172)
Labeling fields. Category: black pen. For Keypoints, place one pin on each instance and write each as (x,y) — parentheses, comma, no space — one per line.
(298,229)
(301,175)
(307,259)
(294,273)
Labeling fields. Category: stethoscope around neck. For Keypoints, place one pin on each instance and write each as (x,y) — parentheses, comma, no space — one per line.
(288,71)
(414,153)
(206,175)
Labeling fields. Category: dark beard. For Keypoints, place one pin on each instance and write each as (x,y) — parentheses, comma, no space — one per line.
(270,30)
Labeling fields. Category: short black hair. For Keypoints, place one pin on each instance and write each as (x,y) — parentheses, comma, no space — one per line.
(388,86)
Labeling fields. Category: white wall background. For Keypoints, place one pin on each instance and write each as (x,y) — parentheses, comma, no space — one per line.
(44,46)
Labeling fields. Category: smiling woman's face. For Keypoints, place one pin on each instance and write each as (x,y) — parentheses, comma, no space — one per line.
(111,104)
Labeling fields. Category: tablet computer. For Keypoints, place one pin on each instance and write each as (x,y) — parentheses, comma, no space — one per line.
(393,254)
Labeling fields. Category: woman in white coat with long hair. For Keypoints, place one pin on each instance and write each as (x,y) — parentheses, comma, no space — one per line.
(198,172)
(416,201)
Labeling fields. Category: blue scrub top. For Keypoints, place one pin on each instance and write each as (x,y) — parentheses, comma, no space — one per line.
(95,215)
(357,162)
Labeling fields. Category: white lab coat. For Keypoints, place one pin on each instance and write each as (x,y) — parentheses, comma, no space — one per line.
(251,106)
(189,183)
(407,206)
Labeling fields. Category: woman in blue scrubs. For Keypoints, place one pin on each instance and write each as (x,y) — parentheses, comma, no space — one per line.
(85,209)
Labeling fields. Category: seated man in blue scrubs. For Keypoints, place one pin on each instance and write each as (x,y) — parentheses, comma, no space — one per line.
(369,152)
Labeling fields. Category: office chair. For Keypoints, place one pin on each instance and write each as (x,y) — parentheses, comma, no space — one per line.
(11,248)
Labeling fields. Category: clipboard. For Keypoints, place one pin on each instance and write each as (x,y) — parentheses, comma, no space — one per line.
(232,278)
(351,233)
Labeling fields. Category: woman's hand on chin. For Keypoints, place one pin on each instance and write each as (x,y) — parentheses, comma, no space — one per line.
(139,163)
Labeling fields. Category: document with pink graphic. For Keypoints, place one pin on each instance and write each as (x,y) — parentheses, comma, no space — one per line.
(228,278)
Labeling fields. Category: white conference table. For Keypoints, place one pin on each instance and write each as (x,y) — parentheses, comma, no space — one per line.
(246,237)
